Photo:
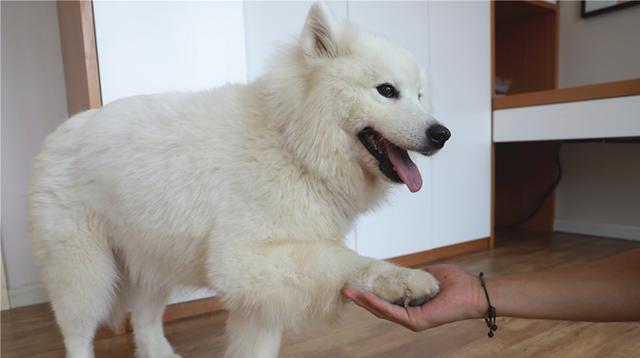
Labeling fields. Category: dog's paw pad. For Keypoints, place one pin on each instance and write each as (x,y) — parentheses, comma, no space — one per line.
(406,302)
(419,301)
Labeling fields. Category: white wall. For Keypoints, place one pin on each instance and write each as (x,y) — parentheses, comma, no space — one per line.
(270,25)
(402,224)
(461,74)
(154,47)
(454,204)
(33,104)
(596,49)
(600,190)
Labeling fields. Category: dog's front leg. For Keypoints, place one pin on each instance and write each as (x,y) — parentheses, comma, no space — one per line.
(277,285)
(249,336)
(399,285)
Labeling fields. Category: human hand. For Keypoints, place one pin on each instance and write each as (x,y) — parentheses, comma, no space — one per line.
(460,297)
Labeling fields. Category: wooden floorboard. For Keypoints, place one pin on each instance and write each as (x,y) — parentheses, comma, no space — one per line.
(31,331)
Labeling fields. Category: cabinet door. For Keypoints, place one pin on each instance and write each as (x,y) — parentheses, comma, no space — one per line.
(451,40)
(402,224)
(270,25)
(151,47)
(461,82)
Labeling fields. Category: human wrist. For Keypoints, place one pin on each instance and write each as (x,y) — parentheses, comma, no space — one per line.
(479,302)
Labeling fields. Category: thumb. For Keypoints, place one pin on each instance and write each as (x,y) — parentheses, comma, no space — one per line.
(349,292)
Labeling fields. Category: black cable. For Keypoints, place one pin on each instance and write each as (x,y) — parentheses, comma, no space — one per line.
(554,185)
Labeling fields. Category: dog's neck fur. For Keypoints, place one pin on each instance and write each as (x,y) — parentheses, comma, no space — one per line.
(324,151)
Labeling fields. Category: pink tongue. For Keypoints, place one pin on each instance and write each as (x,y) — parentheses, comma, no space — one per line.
(406,169)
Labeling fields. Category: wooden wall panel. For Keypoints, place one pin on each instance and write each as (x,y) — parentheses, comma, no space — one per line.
(523,172)
(525,52)
(526,46)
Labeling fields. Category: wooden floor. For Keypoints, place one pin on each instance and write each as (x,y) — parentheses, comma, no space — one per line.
(31,331)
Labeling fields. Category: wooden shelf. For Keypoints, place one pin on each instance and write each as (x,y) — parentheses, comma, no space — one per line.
(581,93)
(543,4)
(525,45)
(507,11)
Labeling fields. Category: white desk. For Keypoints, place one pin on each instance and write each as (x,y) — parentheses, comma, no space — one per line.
(598,111)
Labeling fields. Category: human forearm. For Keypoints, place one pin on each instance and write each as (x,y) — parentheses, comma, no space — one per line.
(606,290)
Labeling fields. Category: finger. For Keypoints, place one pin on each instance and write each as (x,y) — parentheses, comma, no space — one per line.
(379,303)
(408,317)
(360,302)
(394,312)
(359,299)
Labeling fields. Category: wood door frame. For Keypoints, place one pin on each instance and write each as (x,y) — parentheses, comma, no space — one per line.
(79,55)
(5,302)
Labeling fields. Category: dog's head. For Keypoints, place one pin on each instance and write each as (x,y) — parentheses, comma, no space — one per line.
(369,98)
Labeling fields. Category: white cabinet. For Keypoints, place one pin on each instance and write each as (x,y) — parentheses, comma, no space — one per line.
(452,41)
(150,47)
(461,75)
(403,223)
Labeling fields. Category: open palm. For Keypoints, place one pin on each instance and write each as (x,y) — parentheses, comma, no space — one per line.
(459,298)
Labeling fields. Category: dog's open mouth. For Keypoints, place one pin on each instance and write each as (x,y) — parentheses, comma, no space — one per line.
(394,162)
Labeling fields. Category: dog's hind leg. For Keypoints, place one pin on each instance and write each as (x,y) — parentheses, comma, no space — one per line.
(248,338)
(146,313)
(80,274)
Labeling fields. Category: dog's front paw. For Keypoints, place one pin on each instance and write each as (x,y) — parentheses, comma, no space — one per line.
(398,285)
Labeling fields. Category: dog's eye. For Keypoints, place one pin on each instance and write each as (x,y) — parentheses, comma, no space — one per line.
(387,90)
(419,96)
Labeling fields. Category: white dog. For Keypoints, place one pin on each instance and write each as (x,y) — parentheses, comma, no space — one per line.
(246,189)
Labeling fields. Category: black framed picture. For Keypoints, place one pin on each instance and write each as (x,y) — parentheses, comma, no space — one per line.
(597,7)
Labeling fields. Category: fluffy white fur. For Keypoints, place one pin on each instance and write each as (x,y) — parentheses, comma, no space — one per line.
(246,189)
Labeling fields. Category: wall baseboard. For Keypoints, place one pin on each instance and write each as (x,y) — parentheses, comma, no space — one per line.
(27,295)
(614,231)
(423,257)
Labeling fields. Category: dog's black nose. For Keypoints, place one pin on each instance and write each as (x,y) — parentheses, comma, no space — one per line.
(438,134)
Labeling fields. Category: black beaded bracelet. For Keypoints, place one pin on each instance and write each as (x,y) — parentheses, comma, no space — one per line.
(490,318)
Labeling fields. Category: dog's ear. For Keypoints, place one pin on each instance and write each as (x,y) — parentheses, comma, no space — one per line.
(319,33)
